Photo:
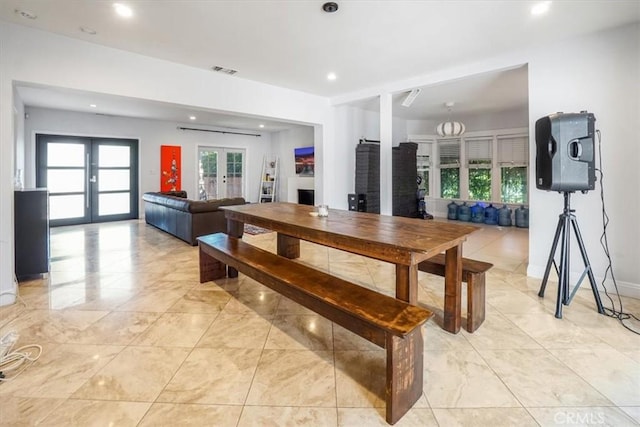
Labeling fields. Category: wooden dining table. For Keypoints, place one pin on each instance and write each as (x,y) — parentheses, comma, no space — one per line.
(404,242)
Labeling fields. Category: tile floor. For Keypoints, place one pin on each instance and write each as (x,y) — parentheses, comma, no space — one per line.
(130,337)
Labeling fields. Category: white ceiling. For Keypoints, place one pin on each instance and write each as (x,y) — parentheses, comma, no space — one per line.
(294,44)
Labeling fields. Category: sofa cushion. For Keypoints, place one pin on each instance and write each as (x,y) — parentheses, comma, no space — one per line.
(173,202)
(213,205)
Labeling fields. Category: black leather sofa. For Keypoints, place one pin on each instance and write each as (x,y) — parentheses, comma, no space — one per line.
(186,219)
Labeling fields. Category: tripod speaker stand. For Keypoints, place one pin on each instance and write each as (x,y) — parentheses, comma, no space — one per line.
(566,221)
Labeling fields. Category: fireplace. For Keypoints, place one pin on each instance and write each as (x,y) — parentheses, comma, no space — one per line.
(306,197)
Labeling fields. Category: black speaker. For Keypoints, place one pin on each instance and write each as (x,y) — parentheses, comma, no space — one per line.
(565,152)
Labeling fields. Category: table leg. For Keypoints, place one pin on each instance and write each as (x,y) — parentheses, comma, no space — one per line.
(407,283)
(234,229)
(453,289)
(288,247)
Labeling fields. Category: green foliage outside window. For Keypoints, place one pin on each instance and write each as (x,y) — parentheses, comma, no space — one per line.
(514,184)
(480,184)
(209,163)
(234,165)
(450,183)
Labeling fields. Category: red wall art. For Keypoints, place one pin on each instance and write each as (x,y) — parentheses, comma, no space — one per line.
(170,178)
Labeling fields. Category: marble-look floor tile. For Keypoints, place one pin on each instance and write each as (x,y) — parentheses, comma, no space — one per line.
(118,328)
(201,301)
(356,272)
(594,415)
(538,379)
(360,378)
(248,330)
(288,306)
(176,330)
(157,301)
(632,354)
(286,416)
(179,414)
(343,339)
(284,377)
(300,332)
(96,413)
(102,270)
(247,301)
(213,376)
(461,379)
(633,412)
(499,333)
(136,374)
(24,411)
(555,333)
(607,329)
(436,338)
(375,417)
(60,370)
(607,370)
(515,302)
(494,417)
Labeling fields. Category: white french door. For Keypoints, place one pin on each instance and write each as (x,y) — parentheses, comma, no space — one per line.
(221,172)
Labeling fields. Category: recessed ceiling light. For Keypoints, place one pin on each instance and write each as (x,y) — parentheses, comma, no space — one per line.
(123,10)
(332,76)
(540,8)
(192,117)
(25,14)
(92,105)
(261,125)
(88,30)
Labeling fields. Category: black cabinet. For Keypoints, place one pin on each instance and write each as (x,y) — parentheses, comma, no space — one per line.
(31,220)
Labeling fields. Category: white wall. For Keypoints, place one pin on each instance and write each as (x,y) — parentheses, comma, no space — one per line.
(284,143)
(601,74)
(151,134)
(39,58)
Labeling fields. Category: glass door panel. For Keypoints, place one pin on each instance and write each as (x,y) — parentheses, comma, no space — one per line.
(207,173)
(235,174)
(89,179)
(113,170)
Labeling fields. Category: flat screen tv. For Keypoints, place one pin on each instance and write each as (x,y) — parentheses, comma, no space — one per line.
(304,161)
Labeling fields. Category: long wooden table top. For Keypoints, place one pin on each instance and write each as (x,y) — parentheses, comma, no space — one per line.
(394,239)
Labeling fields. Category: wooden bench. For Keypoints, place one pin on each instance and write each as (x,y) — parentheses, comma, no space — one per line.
(385,321)
(473,274)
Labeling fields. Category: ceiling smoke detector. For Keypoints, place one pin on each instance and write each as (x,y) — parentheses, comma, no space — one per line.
(330,7)
(224,70)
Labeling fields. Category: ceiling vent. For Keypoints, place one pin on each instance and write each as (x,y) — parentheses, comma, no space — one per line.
(224,70)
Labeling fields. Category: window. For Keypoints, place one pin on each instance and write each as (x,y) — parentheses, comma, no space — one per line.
(479,161)
(449,169)
(513,158)
(423,174)
(424,167)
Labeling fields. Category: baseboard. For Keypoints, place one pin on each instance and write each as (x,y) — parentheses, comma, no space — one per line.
(9,296)
(626,289)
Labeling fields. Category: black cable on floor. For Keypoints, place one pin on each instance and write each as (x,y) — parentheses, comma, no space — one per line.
(611,312)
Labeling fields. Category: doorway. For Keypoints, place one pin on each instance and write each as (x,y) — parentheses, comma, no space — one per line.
(89,179)
(221,172)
